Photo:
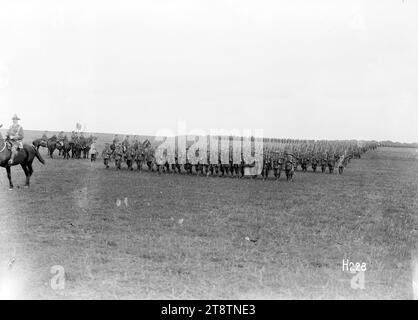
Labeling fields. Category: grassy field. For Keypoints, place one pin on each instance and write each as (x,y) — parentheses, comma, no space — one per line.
(184,237)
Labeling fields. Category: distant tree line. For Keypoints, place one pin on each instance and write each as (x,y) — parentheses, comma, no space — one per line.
(398,144)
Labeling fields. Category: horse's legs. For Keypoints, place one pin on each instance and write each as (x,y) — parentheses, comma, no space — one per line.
(30,169)
(25,169)
(9,176)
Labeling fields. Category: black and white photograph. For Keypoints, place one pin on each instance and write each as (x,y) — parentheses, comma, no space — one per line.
(208,150)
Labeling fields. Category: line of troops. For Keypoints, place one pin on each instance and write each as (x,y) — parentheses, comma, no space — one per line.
(323,154)
(278,155)
(76,137)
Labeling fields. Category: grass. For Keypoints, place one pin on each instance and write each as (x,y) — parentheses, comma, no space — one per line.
(303,230)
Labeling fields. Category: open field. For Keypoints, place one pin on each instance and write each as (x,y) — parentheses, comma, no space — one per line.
(139,248)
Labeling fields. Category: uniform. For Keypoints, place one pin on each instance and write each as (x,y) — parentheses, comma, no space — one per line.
(74,137)
(61,138)
(130,153)
(106,154)
(44,137)
(93,152)
(15,135)
(61,135)
(118,156)
(125,143)
(82,140)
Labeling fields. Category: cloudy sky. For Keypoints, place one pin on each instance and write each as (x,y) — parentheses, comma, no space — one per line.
(298,69)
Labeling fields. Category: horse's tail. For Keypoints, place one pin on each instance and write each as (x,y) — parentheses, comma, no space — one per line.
(37,154)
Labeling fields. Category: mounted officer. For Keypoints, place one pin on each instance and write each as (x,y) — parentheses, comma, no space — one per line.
(44,137)
(135,143)
(115,140)
(82,139)
(61,137)
(15,137)
(74,137)
(125,143)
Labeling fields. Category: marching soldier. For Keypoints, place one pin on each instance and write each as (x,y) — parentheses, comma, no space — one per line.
(15,135)
(314,162)
(106,155)
(118,155)
(130,156)
(93,152)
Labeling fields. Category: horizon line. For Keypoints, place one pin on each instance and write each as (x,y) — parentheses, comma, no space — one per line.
(266,137)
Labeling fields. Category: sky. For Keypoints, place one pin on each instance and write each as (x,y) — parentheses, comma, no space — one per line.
(293,69)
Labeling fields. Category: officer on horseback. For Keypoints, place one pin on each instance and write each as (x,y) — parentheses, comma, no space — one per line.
(116,140)
(44,137)
(125,143)
(74,136)
(61,138)
(15,137)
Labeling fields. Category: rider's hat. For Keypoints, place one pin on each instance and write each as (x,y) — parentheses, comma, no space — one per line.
(15,117)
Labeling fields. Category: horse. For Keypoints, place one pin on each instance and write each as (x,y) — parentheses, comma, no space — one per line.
(52,144)
(37,143)
(146,144)
(75,149)
(85,146)
(24,157)
(66,149)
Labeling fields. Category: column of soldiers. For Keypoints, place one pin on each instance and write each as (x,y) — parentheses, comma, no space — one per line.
(76,139)
(124,150)
(278,155)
